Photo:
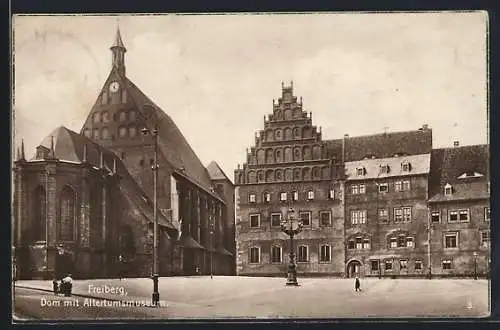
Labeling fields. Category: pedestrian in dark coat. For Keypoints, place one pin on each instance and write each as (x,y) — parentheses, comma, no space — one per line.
(357,284)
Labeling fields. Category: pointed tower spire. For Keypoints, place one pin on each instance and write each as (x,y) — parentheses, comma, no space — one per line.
(18,154)
(118,50)
(84,160)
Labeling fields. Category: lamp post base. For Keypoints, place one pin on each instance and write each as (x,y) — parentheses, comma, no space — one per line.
(156,294)
(292,276)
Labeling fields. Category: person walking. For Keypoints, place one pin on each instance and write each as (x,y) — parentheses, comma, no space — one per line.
(357,284)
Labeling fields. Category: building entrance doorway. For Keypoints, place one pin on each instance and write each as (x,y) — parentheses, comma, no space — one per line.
(353,268)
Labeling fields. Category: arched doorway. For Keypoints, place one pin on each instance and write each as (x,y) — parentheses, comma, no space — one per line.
(353,268)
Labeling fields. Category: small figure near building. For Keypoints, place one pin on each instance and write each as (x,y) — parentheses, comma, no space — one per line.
(357,284)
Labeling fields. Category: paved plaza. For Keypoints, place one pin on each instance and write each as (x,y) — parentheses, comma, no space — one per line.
(254,297)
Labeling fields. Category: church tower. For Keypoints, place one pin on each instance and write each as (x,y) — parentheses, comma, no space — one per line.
(118,50)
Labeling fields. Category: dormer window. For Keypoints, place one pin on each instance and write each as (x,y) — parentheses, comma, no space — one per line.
(406,167)
(360,171)
(470,174)
(42,152)
(448,189)
(384,169)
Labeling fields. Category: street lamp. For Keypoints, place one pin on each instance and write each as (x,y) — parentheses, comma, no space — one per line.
(291,227)
(475,264)
(211,247)
(154,167)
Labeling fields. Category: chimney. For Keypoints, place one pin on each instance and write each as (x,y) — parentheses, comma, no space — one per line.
(425,126)
(456,144)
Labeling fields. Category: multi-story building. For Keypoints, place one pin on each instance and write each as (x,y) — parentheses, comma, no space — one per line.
(289,167)
(386,202)
(460,211)
(201,216)
(386,197)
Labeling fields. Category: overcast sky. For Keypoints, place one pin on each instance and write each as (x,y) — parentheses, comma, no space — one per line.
(216,75)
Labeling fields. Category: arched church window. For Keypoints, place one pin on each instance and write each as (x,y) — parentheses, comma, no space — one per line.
(105,117)
(278,134)
(132,131)
(96,117)
(123,132)
(39,214)
(105,133)
(296,132)
(67,214)
(123,116)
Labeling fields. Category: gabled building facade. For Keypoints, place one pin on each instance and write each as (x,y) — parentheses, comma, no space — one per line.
(459,207)
(289,167)
(120,124)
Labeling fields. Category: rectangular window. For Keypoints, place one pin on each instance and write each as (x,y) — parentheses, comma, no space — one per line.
(375,265)
(452,216)
(435,217)
(325,218)
(276,254)
(405,167)
(360,171)
(393,242)
(251,198)
(463,215)
(403,264)
(354,189)
(366,244)
(409,242)
(359,243)
(388,265)
(406,185)
(362,189)
(418,265)
(324,253)
(275,219)
(310,195)
(451,240)
(383,215)
(295,195)
(305,217)
(406,214)
(383,187)
(486,214)
(350,245)
(303,254)
(358,217)
(331,194)
(283,196)
(446,264)
(254,220)
(267,197)
(398,214)
(398,186)
(384,169)
(254,255)
(105,117)
(485,238)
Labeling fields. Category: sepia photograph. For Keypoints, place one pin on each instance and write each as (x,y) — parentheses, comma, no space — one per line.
(250,166)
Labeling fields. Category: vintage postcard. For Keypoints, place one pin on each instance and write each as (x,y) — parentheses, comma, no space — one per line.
(331,165)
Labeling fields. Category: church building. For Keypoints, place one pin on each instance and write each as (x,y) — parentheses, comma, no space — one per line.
(84,203)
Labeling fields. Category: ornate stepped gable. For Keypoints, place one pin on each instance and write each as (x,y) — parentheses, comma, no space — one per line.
(289,148)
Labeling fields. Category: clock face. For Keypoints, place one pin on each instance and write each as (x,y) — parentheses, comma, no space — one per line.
(114,86)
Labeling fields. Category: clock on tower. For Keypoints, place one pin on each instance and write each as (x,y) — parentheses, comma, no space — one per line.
(114,86)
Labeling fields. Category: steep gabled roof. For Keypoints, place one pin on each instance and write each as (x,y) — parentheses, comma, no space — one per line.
(215,172)
(172,142)
(449,164)
(384,145)
(70,146)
